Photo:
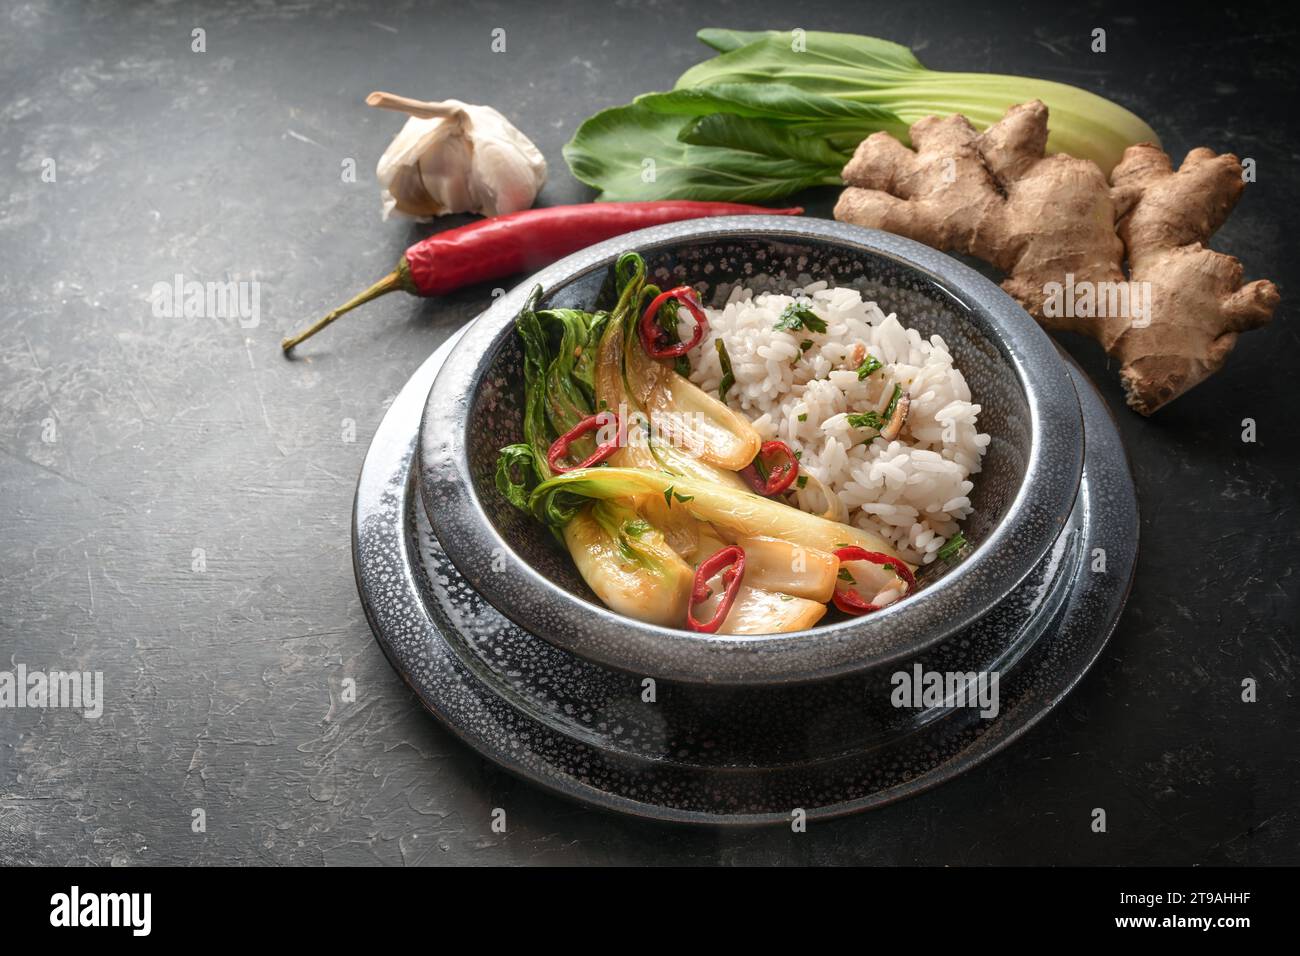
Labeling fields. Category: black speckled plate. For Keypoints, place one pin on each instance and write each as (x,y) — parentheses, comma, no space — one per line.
(725,754)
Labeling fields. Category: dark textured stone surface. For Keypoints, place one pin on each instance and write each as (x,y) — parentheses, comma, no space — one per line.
(224,686)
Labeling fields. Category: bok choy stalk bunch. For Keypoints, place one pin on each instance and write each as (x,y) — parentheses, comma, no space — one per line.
(578,363)
(625,560)
(729,509)
(559,348)
(776,112)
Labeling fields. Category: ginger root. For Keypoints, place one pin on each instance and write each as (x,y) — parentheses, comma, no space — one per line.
(1062,234)
(1199,305)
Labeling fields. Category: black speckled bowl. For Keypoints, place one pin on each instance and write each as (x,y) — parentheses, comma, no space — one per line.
(1022,497)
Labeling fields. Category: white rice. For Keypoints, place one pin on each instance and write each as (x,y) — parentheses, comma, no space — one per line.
(912,491)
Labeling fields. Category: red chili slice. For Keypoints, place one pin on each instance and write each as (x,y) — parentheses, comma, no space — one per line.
(848,601)
(655,339)
(733,556)
(560,447)
(779,477)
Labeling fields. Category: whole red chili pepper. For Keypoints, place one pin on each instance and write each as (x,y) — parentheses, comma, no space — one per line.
(733,556)
(560,447)
(503,245)
(848,601)
(655,339)
(778,478)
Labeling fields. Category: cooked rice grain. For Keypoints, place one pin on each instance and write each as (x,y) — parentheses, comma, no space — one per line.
(912,491)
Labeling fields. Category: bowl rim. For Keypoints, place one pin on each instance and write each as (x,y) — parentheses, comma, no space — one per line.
(533,601)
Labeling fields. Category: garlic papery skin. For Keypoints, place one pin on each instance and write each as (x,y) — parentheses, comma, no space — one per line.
(454,157)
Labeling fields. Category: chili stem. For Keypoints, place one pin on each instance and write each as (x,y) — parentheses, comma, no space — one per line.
(399,278)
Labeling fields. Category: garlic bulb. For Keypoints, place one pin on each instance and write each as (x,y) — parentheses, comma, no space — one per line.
(454,157)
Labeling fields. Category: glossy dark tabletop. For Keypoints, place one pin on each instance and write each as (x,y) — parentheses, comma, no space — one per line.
(177,496)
